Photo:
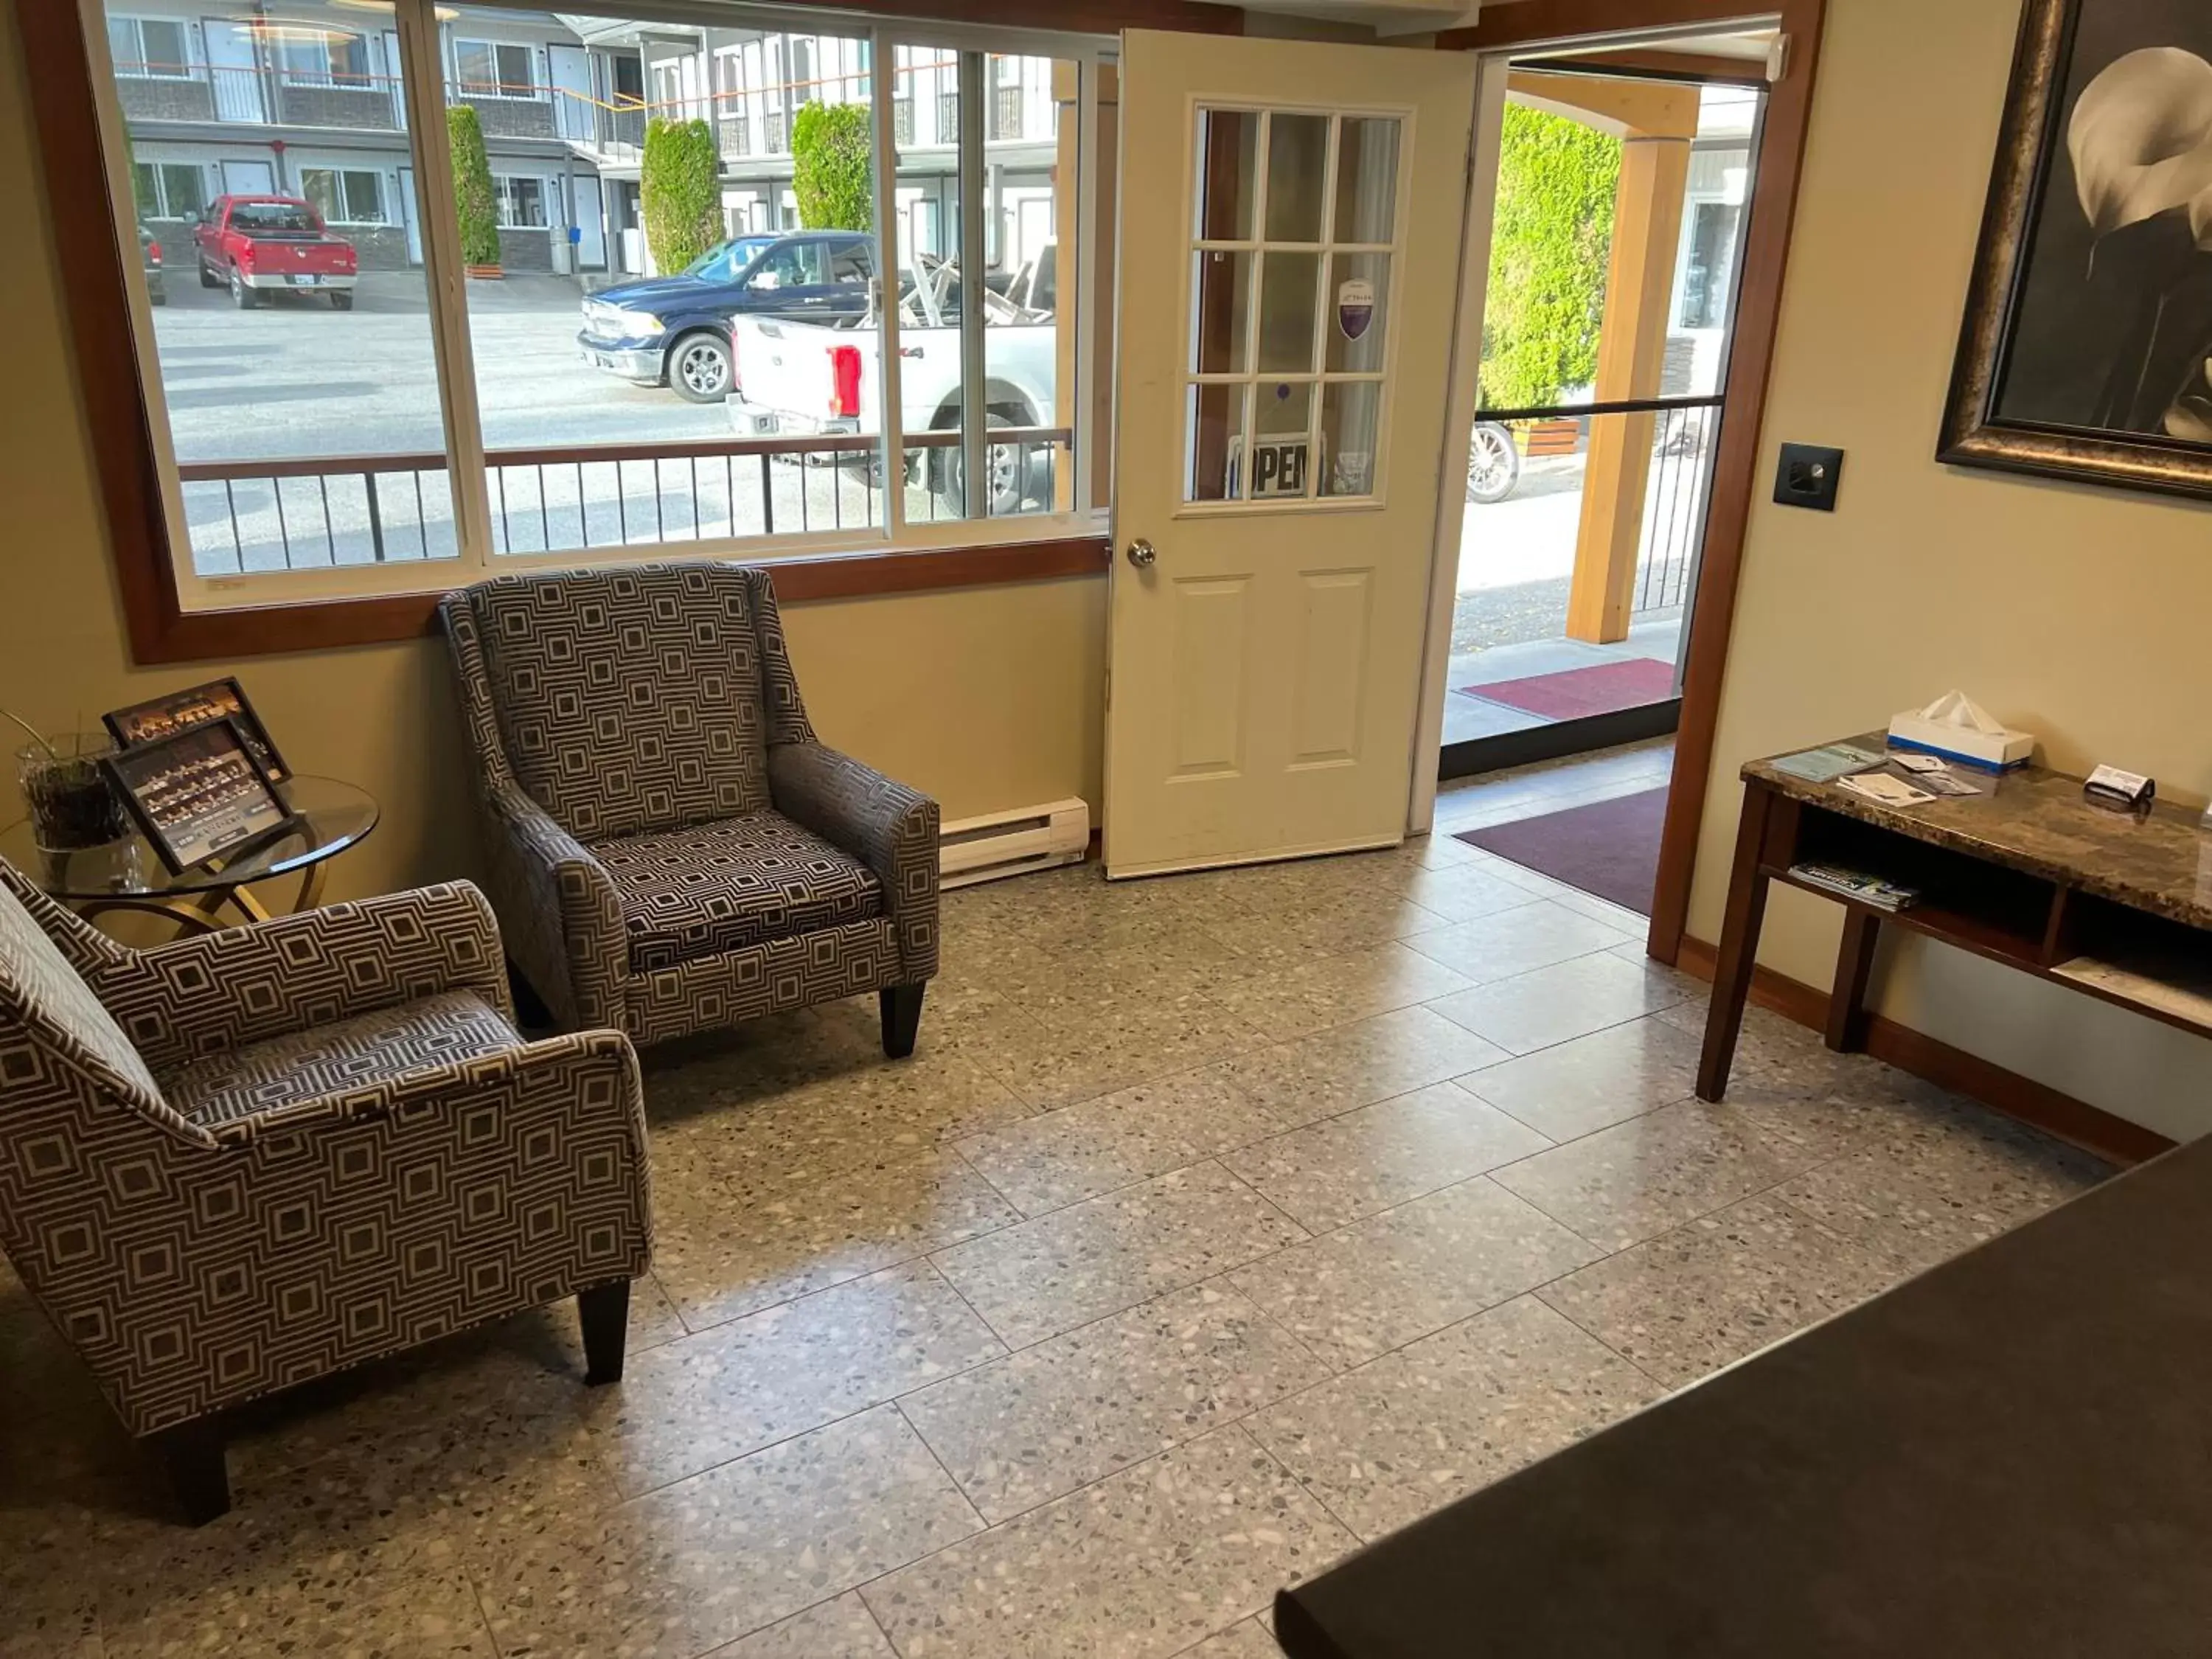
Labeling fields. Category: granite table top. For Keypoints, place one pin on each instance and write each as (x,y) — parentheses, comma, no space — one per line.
(2004,1456)
(2037,821)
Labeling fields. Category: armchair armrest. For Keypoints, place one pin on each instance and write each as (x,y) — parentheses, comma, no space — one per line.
(564,917)
(889,827)
(578,1071)
(196,996)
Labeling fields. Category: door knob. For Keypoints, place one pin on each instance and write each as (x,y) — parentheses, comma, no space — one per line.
(1141,554)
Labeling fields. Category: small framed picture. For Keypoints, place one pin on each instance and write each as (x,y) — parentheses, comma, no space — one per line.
(198,705)
(198,794)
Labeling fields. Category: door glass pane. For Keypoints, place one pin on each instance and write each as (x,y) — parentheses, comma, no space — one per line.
(1297,168)
(1217,434)
(1366,179)
(1351,416)
(1280,440)
(1358,315)
(1221,289)
(1288,292)
(1032,153)
(1228,148)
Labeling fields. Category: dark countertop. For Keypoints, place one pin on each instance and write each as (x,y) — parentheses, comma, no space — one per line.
(2010,1455)
(2035,820)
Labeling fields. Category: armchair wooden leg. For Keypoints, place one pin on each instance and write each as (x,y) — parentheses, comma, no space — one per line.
(191,1455)
(902,1010)
(604,1311)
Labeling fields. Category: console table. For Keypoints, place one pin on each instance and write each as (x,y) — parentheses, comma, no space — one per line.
(2024,872)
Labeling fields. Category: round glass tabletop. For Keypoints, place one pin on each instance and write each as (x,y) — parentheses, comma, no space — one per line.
(332,817)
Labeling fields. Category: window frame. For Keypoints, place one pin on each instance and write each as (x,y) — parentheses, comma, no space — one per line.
(342,196)
(539,92)
(174,616)
(501,184)
(144,70)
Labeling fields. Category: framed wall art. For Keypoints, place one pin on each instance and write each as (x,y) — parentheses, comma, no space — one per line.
(2087,347)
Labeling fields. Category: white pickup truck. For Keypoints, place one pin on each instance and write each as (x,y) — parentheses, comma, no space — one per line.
(795,379)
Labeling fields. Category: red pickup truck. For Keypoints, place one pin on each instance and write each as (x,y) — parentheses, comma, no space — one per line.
(258,245)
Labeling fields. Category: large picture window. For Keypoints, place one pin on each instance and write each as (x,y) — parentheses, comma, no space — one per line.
(879,365)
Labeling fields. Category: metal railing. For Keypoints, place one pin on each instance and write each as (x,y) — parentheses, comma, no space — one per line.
(1553,442)
(246,517)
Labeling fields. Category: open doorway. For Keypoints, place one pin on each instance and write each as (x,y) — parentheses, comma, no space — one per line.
(1612,271)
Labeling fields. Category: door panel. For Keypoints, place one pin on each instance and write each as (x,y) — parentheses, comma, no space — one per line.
(1332,679)
(1210,628)
(1288,290)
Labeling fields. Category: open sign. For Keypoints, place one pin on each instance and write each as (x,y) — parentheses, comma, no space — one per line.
(1279,469)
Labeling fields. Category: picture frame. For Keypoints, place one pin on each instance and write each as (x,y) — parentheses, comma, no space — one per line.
(198,705)
(199,793)
(2086,348)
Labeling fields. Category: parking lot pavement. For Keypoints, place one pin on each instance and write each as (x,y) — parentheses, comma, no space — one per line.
(295,378)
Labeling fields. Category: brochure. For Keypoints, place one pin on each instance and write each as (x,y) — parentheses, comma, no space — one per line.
(1827,763)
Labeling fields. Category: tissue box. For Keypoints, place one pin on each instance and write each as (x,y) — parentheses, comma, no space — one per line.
(1989,751)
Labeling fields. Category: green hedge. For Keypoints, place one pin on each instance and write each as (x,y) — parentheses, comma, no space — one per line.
(680,185)
(1557,182)
(473,187)
(832,170)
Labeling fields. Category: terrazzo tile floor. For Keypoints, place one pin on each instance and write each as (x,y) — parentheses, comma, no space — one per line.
(1218,1224)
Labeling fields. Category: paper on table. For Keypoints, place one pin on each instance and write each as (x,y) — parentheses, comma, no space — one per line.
(1827,763)
(1880,788)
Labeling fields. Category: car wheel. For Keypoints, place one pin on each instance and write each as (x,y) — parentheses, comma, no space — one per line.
(342,301)
(208,278)
(244,297)
(1493,464)
(699,368)
(1010,473)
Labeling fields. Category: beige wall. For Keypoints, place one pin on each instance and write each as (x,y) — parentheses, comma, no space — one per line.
(2077,613)
(988,698)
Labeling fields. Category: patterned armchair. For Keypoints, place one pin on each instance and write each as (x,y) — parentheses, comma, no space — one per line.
(245,1160)
(670,849)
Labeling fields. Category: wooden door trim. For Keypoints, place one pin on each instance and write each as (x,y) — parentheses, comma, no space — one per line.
(1759,308)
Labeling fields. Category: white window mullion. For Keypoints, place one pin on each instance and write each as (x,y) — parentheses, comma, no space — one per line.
(444,279)
(892,420)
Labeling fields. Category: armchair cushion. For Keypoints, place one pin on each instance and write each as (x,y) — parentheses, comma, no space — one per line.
(225,1091)
(630,701)
(730,884)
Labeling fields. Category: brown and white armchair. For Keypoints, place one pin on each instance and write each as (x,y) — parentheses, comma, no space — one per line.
(246,1160)
(670,850)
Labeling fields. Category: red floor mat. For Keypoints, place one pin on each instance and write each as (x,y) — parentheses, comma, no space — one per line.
(1611,848)
(1601,689)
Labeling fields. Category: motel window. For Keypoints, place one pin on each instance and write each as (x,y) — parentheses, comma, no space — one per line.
(520,202)
(600,430)
(489,68)
(324,58)
(149,48)
(344,197)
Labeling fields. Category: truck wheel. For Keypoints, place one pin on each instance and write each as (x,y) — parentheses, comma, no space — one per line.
(244,297)
(208,278)
(1009,475)
(699,368)
(341,300)
(1493,464)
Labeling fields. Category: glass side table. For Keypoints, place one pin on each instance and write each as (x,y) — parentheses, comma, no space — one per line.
(128,875)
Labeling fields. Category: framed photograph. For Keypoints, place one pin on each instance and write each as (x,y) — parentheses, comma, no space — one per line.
(2086,350)
(180,711)
(198,793)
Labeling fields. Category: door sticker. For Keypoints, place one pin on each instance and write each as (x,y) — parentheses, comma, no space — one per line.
(1355,306)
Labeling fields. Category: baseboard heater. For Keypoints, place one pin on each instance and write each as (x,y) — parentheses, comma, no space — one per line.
(1013,843)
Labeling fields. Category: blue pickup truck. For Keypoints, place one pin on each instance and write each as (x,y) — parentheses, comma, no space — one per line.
(675,331)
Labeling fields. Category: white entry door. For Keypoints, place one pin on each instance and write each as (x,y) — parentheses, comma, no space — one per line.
(574,110)
(248,178)
(235,70)
(1287,295)
(411,215)
(591,224)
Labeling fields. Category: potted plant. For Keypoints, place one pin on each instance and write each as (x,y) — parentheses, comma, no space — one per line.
(71,805)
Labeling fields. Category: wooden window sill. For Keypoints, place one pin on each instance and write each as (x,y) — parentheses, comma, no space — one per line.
(160,633)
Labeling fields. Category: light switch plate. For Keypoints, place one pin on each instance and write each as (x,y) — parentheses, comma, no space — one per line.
(1809,477)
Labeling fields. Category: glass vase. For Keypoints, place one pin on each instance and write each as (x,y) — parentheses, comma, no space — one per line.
(71,803)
